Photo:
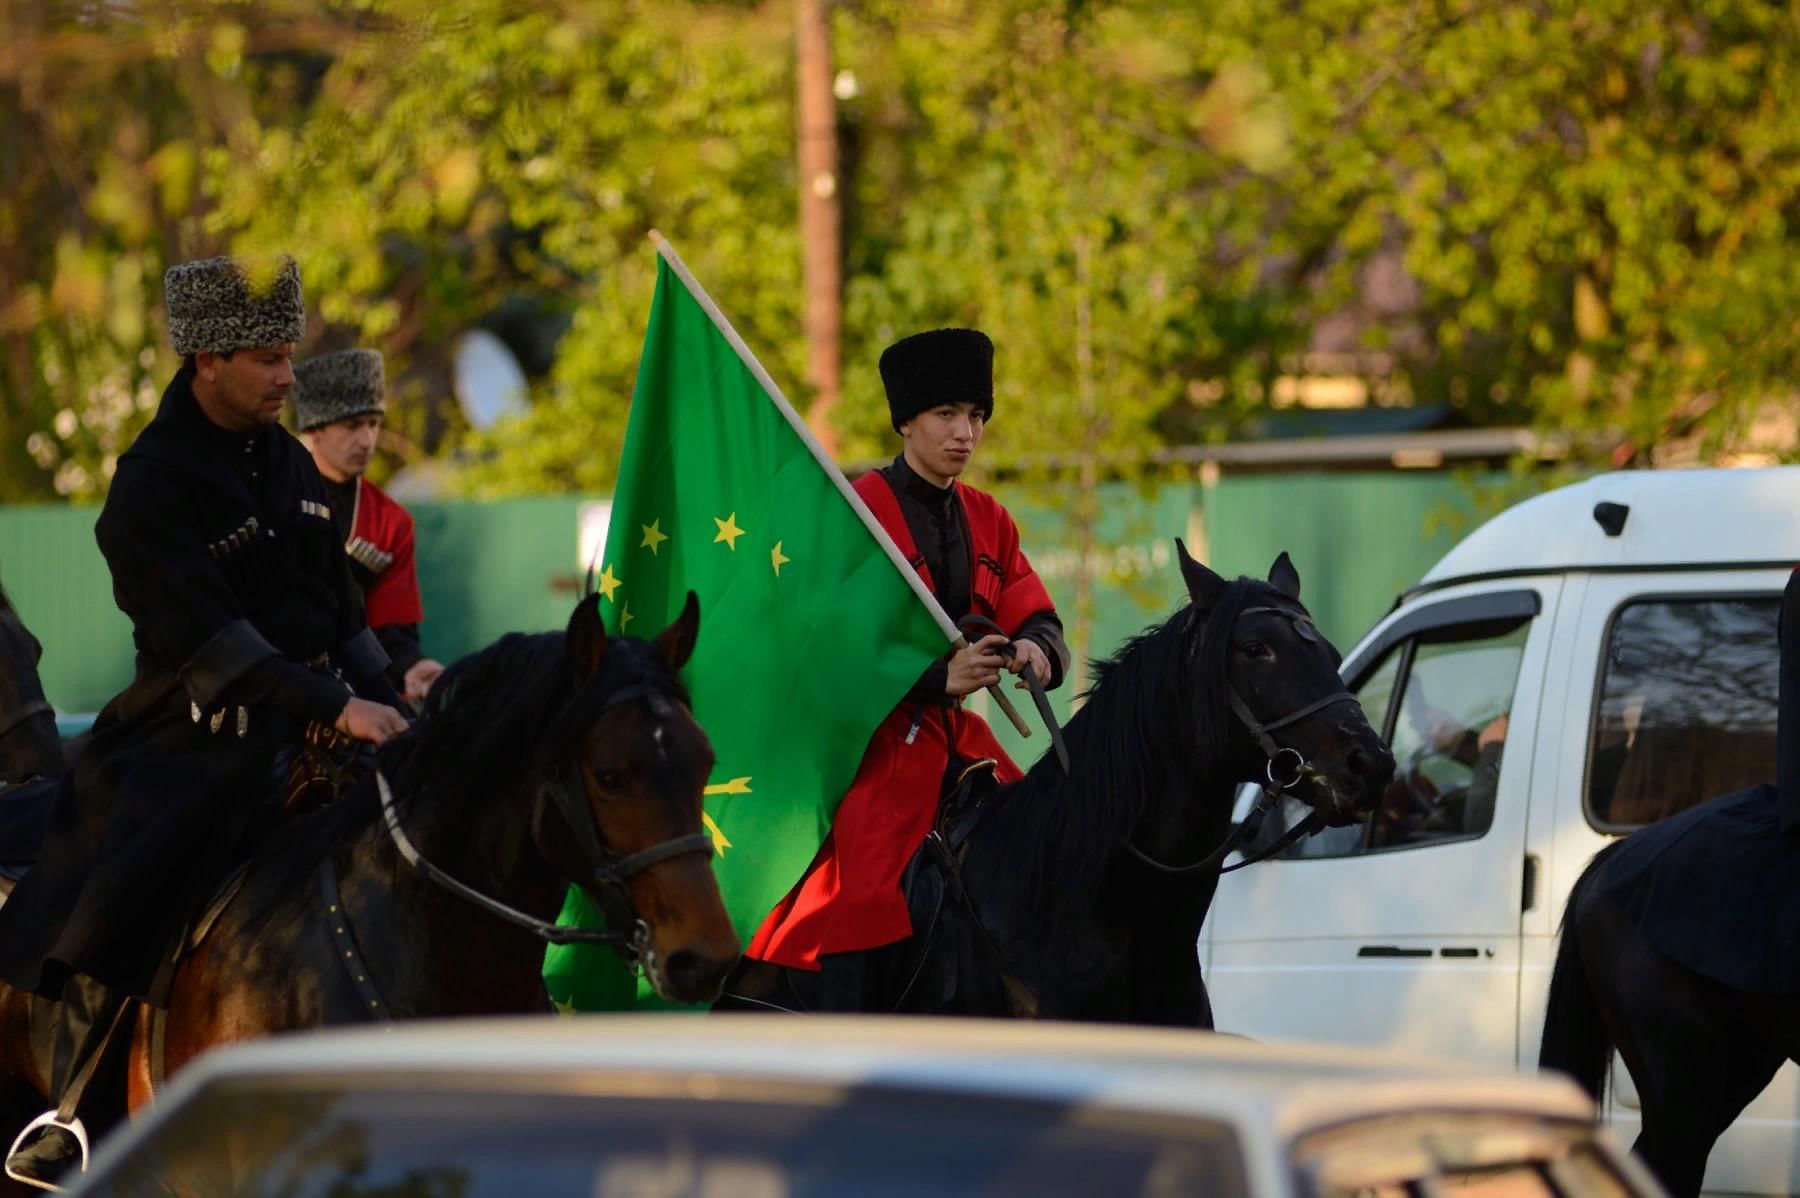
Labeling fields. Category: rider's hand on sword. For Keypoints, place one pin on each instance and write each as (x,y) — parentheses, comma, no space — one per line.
(975,666)
(978,665)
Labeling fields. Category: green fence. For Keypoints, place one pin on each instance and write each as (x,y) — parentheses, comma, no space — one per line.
(490,568)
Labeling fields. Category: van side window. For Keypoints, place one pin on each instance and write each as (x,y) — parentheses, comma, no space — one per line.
(1686,708)
(1442,700)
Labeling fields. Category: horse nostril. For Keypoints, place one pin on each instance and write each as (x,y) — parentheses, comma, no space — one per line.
(694,976)
(682,966)
(1360,763)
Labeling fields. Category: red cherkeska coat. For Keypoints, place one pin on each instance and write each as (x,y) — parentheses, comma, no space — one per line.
(849,898)
(381,542)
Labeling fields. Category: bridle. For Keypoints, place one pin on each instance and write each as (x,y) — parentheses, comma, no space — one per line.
(1283,768)
(626,932)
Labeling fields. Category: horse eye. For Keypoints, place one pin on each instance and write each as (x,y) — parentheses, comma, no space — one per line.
(1255,649)
(610,780)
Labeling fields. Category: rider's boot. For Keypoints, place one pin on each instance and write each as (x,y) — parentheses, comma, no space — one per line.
(53,1147)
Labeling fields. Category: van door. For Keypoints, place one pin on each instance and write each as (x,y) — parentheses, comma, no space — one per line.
(1404,930)
(1672,701)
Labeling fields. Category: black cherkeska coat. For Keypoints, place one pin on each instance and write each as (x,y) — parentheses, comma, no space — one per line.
(223,554)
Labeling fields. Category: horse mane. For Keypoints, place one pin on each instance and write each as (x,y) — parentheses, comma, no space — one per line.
(1060,831)
(484,714)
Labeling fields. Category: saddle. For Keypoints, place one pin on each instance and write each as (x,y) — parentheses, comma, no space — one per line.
(935,872)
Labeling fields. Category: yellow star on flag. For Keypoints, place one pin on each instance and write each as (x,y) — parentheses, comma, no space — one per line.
(778,559)
(563,1008)
(653,535)
(720,844)
(608,584)
(729,532)
(625,617)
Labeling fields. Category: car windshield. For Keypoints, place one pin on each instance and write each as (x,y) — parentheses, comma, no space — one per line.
(313,1141)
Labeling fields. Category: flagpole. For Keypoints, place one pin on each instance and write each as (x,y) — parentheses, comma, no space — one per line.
(957,639)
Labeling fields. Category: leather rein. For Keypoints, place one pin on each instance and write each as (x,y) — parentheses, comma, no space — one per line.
(626,932)
(1282,771)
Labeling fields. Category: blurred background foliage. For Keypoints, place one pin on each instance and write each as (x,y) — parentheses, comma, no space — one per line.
(1573,214)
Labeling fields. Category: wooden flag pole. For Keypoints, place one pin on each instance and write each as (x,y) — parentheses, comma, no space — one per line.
(957,640)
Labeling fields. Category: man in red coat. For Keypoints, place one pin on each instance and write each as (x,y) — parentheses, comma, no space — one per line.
(940,391)
(339,402)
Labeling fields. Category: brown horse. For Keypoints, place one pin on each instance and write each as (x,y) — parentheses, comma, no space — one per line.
(430,890)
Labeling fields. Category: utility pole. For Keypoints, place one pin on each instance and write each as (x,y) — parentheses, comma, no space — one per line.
(821,237)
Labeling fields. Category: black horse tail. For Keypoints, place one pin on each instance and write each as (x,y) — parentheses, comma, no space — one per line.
(1576,1039)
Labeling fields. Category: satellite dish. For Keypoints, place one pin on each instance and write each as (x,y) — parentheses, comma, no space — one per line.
(490,384)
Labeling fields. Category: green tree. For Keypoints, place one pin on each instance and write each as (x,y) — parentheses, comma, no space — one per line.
(1598,199)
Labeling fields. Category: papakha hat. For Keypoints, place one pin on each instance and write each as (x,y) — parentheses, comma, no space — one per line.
(941,366)
(333,387)
(218,305)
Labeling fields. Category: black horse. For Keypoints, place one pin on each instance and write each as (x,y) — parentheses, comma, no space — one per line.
(1080,895)
(542,761)
(1713,884)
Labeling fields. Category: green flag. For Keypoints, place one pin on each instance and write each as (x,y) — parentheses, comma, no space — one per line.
(809,632)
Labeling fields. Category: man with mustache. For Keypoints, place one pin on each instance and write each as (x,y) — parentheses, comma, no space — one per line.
(339,403)
(250,641)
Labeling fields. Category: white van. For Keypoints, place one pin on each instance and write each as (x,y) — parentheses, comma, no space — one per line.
(1587,662)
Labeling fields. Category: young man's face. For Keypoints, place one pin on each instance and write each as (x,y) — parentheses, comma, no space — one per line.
(342,448)
(941,440)
(246,390)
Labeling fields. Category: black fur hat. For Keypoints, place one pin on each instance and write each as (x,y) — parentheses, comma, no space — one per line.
(941,366)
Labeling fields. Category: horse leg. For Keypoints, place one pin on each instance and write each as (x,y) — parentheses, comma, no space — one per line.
(1698,1051)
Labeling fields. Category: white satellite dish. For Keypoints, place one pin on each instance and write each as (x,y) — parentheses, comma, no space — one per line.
(489,382)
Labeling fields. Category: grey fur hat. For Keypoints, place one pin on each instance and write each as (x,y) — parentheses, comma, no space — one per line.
(333,387)
(218,305)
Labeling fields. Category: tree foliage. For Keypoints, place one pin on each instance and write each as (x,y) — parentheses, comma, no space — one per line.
(1153,209)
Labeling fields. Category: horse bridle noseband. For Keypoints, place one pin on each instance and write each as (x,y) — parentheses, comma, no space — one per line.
(626,932)
(1275,783)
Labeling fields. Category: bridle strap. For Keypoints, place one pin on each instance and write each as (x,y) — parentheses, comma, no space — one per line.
(1261,731)
(542,929)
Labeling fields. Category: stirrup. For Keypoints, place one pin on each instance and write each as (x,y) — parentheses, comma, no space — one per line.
(48,1119)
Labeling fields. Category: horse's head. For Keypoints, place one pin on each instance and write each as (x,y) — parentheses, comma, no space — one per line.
(1297,726)
(29,743)
(640,764)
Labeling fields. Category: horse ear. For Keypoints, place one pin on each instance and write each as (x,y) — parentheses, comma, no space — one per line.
(1284,578)
(676,642)
(1203,585)
(587,637)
